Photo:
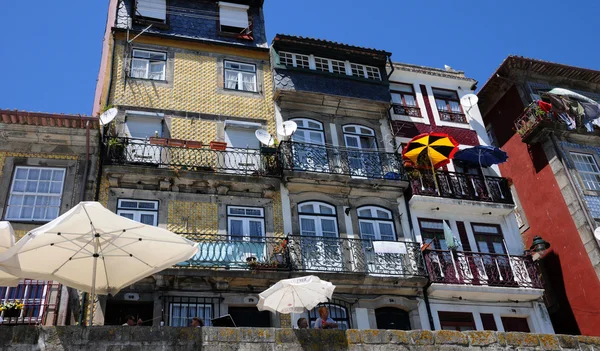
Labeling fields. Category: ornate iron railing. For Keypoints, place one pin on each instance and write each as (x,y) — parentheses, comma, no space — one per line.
(142,152)
(412,111)
(472,268)
(461,186)
(325,254)
(238,252)
(531,118)
(456,117)
(338,160)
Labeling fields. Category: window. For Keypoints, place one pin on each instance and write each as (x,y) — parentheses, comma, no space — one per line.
(328,65)
(308,131)
(181,314)
(148,65)
(139,210)
(588,170)
(318,219)
(35,194)
(489,238)
(403,94)
(154,10)
(447,100)
(376,223)
(338,311)
(365,71)
(233,18)
(240,76)
(246,223)
(32,293)
(459,321)
(488,321)
(359,137)
(294,60)
(515,324)
(432,232)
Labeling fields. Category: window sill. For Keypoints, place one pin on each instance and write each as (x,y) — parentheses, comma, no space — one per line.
(242,91)
(21,221)
(248,38)
(155,23)
(163,81)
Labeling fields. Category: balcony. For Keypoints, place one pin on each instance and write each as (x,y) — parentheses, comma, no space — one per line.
(190,156)
(461,186)
(452,116)
(412,111)
(307,254)
(493,273)
(304,157)
(532,123)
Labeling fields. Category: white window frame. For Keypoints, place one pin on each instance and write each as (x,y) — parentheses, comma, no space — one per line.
(363,71)
(188,320)
(589,159)
(149,62)
(27,301)
(250,68)
(25,193)
(375,221)
(317,216)
(138,212)
(245,219)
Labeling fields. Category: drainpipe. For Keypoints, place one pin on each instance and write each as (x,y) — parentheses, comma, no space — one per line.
(428,306)
(589,221)
(87,162)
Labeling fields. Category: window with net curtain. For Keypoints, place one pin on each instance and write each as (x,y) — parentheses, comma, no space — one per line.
(181,314)
(148,65)
(447,100)
(240,76)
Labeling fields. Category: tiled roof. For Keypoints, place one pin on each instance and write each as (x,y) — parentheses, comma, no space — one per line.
(432,71)
(47,119)
(323,42)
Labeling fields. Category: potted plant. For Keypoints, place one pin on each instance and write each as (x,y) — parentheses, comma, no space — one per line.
(11,308)
(177,142)
(218,145)
(116,148)
(192,144)
(158,141)
(279,251)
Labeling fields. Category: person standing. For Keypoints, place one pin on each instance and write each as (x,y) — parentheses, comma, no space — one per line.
(324,322)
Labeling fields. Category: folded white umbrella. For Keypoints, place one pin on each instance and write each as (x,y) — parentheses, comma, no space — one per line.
(93,249)
(295,295)
(7,240)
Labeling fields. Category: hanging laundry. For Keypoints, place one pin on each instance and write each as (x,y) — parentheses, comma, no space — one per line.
(591,115)
(544,106)
(566,119)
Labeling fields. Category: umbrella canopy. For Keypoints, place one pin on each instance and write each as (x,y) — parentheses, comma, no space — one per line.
(7,240)
(93,249)
(483,156)
(430,149)
(571,94)
(295,295)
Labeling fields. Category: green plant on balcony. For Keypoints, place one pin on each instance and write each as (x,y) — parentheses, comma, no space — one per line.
(116,148)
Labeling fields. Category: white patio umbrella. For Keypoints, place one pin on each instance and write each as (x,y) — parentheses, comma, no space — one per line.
(7,240)
(93,249)
(295,295)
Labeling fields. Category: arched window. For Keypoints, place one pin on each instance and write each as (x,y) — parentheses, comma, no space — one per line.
(376,223)
(359,137)
(317,219)
(309,131)
(338,311)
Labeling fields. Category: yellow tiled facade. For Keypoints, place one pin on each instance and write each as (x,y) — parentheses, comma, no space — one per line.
(193,217)
(5,154)
(278,216)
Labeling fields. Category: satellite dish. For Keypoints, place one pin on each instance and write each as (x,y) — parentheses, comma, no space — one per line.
(469,100)
(287,128)
(264,137)
(108,116)
(597,233)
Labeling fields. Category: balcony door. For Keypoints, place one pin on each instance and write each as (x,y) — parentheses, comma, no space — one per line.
(140,128)
(376,224)
(363,159)
(309,152)
(246,229)
(320,244)
(243,155)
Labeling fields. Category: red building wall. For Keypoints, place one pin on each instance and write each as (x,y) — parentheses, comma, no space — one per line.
(567,267)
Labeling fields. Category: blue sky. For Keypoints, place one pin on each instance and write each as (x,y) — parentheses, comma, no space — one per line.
(50,50)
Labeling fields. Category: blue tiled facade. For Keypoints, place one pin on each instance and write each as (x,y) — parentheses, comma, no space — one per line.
(593,202)
(195,20)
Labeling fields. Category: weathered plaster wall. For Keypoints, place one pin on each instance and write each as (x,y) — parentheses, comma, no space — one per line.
(166,338)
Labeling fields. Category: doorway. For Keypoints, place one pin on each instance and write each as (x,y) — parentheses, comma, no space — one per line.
(250,317)
(117,312)
(392,318)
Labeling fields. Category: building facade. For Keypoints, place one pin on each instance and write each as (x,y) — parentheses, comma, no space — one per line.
(487,283)
(48,164)
(554,167)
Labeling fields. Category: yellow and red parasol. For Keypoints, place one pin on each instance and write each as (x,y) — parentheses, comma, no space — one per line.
(430,150)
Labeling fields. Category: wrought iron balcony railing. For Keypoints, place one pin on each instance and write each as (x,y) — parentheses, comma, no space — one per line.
(461,186)
(451,116)
(532,118)
(338,160)
(130,151)
(472,268)
(307,254)
(403,110)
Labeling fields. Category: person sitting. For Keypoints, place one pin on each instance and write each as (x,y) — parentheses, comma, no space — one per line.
(325,322)
(302,323)
(131,321)
(197,322)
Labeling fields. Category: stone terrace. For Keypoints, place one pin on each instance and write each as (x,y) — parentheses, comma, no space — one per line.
(168,338)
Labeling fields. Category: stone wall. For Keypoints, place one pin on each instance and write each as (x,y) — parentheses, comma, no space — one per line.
(167,338)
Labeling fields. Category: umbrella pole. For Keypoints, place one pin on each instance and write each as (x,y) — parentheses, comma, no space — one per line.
(92,296)
(487,188)
(437,187)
